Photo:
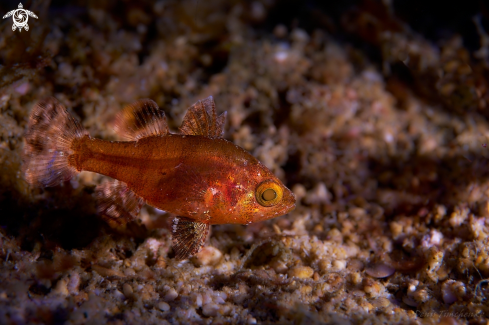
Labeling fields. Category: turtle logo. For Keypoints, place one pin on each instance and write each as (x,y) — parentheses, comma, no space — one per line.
(20,17)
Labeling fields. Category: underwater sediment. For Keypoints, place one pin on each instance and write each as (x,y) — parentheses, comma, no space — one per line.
(375,121)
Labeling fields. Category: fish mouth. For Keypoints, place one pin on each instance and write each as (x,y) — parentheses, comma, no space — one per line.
(289,200)
(290,208)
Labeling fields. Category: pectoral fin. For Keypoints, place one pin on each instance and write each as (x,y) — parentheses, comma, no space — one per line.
(201,119)
(141,119)
(117,203)
(188,236)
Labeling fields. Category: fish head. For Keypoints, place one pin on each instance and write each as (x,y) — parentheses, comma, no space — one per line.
(268,197)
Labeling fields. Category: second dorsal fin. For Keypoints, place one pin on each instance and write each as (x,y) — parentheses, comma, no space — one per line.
(201,119)
(141,119)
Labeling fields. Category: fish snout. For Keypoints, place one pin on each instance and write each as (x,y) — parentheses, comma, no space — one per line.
(288,201)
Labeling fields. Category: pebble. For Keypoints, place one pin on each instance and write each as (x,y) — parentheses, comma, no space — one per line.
(421,296)
(409,301)
(62,288)
(251,320)
(355,278)
(318,195)
(74,283)
(171,295)
(372,288)
(301,272)
(339,265)
(380,270)
(450,291)
(127,290)
(299,35)
(324,265)
(299,191)
(105,272)
(355,265)
(280,31)
(23,88)
(163,306)
(119,295)
(207,256)
(197,299)
(381,303)
(210,309)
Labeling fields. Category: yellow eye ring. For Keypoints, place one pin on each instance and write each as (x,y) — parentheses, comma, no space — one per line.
(268,193)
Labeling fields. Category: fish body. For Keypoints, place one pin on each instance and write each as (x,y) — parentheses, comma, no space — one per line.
(197,175)
(201,178)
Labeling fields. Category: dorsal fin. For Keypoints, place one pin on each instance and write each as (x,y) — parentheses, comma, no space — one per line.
(201,119)
(141,119)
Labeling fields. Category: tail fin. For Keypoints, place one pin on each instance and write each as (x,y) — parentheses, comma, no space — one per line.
(50,133)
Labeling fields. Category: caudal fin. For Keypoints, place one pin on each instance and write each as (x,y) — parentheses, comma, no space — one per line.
(50,133)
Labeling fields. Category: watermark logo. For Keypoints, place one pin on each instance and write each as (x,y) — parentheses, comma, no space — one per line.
(453,314)
(20,17)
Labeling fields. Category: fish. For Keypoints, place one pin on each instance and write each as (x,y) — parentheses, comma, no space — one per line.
(195,174)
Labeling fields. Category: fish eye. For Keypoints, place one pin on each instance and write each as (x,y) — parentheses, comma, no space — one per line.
(269,193)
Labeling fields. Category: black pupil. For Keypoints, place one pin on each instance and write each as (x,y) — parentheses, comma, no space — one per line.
(269,195)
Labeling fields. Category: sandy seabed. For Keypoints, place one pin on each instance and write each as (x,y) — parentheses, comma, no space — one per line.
(377,129)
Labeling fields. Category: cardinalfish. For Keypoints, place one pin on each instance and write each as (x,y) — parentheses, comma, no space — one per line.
(195,174)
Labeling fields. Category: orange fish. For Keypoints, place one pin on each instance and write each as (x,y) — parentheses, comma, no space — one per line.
(196,174)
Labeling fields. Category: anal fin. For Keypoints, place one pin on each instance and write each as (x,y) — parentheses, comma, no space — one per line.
(116,203)
(141,119)
(188,236)
(201,119)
